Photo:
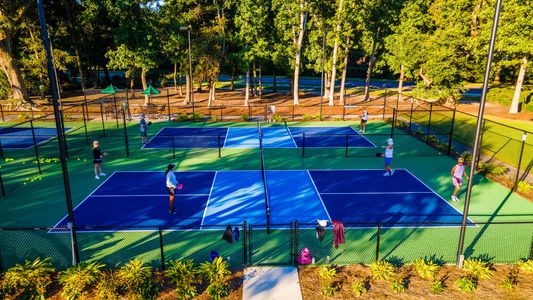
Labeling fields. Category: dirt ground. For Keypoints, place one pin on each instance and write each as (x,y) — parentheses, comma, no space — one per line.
(416,288)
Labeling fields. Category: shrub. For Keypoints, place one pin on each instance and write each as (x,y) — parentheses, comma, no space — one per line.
(467,284)
(477,268)
(432,139)
(80,279)
(108,286)
(311,117)
(244,117)
(216,274)
(382,270)
(492,169)
(183,274)
(437,286)
(136,278)
(359,287)
(526,266)
(218,290)
(524,187)
(188,117)
(280,118)
(510,281)
(398,284)
(467,156)
(418,132)
(426,269)
(328,274)
(28,281)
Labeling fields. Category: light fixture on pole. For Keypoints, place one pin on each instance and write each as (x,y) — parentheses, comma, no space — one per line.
(322,76)
(188,29)
(460,256)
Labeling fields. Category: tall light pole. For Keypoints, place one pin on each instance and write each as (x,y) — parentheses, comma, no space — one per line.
(188,29)
(60,135)
(460,256)
(322,76)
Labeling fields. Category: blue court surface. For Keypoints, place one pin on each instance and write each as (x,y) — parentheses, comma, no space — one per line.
(22,138)
(248,137)
(232,197)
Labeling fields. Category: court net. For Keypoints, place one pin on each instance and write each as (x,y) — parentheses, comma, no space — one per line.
(265,186)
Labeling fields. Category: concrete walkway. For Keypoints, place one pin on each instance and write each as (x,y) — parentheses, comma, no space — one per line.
(271,283)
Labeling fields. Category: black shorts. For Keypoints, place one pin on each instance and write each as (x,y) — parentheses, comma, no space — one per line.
(363,121)
(97,161)
(171,190)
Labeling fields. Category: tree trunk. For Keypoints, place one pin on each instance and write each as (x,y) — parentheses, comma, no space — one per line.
(174,76)
(247,89)
(213,91)
(254,86)
(232,80)
(274,83)
(326,85)
(180,82)
(260,85)
(518,87)
(369,70)
(299,42)
(344,71)
(145,85)
(8,65)
(209,97)
(187,99)
(400,84)
(334,58)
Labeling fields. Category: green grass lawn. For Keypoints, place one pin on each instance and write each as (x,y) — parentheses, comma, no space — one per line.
(35,200)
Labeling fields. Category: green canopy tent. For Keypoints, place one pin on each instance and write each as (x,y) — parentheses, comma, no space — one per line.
(111,90)
(150,90)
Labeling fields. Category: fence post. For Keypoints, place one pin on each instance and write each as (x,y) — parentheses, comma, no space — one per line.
(295,242)
(1,151)
(378,241)
(480,144)
(343,112)
(116,109)
(291,246)
(161,247)
(221,114)
(393,122)
(249,112)
(219,147)
(168,105)
(85,123)
(3,192)
(524,135)
(244,238)
(411,116)
(2,112)
(125,133)
(450,139)
(102,116)
(249,256)
(429,122)
(346,146)
(35,147)
(384,106)
(293,113)
(303,144)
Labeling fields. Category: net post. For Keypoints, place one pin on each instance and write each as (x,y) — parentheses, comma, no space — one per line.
(393,122)
(303,144)
(346,146)
(173,147)
(219,147)
(1,151)
(116,109)
(125,133)
(480,144)
(429,122)
(85,123)
(411,116)
(161,248)
(35,147)
(378,241)
(102,116)
(2,112)
(168,105)
(524,136)
(3,192)
(296,242)
(244,240)
(450,139)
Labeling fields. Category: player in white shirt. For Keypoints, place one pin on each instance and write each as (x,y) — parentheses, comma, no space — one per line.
(457,176)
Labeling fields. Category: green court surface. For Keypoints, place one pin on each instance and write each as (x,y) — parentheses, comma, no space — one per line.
(35,200)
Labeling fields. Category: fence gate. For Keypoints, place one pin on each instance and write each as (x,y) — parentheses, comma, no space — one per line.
(274,246)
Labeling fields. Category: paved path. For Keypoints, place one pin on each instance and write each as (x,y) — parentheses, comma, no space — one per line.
(271,283)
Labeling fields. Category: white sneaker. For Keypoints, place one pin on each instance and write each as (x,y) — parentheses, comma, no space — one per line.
(102,174)
(97,177)
(391,172)
(457,199)
(386,174)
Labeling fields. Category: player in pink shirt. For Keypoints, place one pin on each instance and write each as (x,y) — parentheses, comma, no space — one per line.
(457,176)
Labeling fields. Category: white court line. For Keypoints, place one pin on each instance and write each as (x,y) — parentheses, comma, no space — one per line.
(378,193)
(147,195)
(157,133)
(65,217)
(208,198)
(319,197)
(460,213)
(362,137)
(226,138)
(292,138)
